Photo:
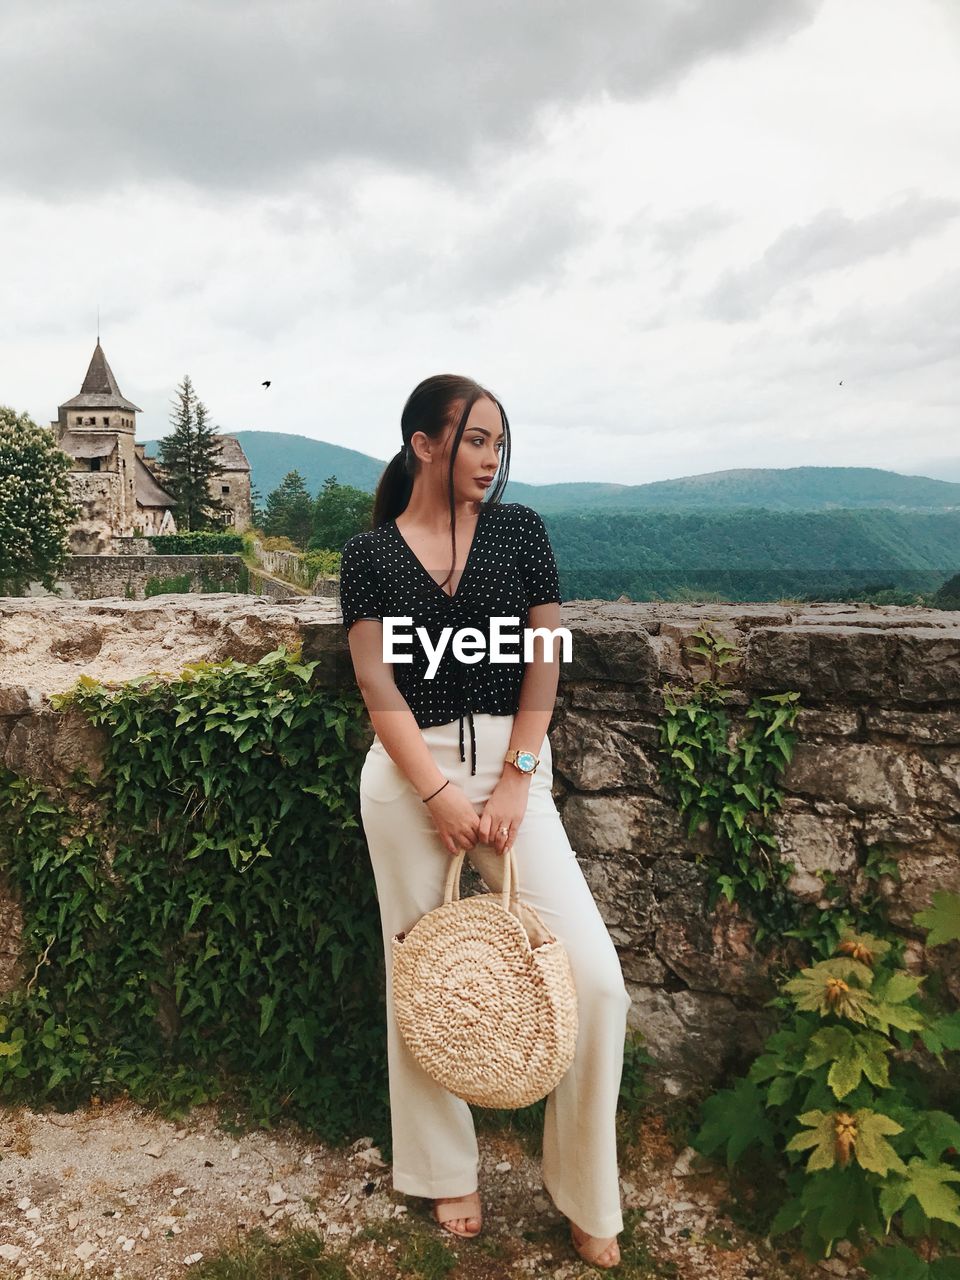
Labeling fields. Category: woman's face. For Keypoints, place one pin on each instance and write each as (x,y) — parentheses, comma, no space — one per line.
(478,456)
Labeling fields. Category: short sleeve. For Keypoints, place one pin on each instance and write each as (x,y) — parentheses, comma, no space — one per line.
(537,563)
(359,597)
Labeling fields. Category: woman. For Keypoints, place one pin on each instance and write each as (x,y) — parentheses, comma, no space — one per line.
(444,552)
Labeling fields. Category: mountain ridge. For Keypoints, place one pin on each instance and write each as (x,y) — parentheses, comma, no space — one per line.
(804,488)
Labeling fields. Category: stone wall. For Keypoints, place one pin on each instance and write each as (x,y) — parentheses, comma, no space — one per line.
(290,565)
(131,546)
(877,763)
(127,575)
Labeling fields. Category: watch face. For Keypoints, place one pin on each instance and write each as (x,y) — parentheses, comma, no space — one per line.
(526,761)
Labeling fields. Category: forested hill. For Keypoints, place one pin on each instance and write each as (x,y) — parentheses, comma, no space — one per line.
(775,489)
(273,454)
(751,554)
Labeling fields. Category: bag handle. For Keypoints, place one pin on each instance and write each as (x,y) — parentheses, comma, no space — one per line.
(511,880)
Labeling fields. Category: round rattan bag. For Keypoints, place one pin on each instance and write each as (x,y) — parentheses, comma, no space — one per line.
(484,996)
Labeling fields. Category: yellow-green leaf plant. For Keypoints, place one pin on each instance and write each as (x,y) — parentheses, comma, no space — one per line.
(839,1109)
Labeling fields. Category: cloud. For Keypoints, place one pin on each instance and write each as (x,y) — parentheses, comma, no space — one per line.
(675,235)
(250,94)
(828,241)
(923,330)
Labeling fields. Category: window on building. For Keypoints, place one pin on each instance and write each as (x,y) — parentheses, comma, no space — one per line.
(106,422)
(79,422)
(224,488)
(94,464)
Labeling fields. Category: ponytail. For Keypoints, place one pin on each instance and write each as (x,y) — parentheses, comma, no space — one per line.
(393,490)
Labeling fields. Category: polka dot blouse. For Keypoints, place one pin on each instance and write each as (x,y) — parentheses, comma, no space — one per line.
(510,567)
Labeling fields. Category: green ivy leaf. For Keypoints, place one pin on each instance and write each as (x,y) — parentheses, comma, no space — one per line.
(267,1006)
(935,1133)
(820,1135)
(897,1263)
(871,1149)
(869,1131)
(734,1118)
(928,1185)
(942,919)
(853,1055)
(825,988)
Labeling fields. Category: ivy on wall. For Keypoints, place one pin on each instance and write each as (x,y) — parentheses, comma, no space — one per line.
(728,780)
(200,922)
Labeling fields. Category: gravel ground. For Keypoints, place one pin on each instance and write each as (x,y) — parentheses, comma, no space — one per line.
(117,1191)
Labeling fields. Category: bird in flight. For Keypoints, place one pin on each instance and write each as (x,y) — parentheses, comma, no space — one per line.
(265,384)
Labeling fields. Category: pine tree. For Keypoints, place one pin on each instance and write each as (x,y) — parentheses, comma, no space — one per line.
(190,458)
(289,510)
(36,506)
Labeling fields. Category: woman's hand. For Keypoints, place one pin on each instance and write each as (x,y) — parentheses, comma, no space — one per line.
(455,818)
(505,808)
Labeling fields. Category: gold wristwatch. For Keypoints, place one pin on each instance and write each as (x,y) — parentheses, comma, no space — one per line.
(525,761)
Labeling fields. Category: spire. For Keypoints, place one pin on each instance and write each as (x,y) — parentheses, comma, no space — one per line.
(100,390)
(100,379)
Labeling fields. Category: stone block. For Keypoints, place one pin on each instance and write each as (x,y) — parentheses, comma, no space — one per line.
(827,722)
(863,776)
(48,747)
(854,662)
(939,726)
(593,757)
(611,825)
(928,665)
(695,1037)
(814,844)
(603,650)
(19,700)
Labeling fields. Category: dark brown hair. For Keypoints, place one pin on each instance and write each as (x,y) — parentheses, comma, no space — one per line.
(430,409)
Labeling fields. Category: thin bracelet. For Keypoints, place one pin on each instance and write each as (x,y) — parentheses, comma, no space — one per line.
(435,793)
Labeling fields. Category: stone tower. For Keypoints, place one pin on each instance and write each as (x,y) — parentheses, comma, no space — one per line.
(117,493)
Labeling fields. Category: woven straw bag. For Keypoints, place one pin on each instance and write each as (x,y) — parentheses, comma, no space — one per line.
(484,996)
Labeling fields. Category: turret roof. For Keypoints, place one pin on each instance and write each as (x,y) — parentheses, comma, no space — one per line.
(100,390)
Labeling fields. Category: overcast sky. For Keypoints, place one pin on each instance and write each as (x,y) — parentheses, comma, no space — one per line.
(662,231)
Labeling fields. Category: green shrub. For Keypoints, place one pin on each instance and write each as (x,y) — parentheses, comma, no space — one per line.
(197,543)
(200,922)
(178,584)
(845,1113)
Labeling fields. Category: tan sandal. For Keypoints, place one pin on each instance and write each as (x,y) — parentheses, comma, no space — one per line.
(590,1248)
(445,1213)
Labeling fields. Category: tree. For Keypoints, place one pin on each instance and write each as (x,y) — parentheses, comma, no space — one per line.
(257,509)
(289,510)
(340,511)
(190,458)
(36,506)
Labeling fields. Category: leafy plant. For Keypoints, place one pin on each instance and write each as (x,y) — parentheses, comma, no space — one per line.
(727,779)
(835,1098)
(200,922)
(197,543)
(36,504)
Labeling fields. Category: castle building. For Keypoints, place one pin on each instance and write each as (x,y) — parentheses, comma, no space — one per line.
(118,488)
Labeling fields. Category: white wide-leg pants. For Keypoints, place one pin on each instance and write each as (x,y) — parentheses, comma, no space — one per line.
(434,1143)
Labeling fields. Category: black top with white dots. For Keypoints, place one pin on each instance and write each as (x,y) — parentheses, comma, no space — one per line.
(510,567)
